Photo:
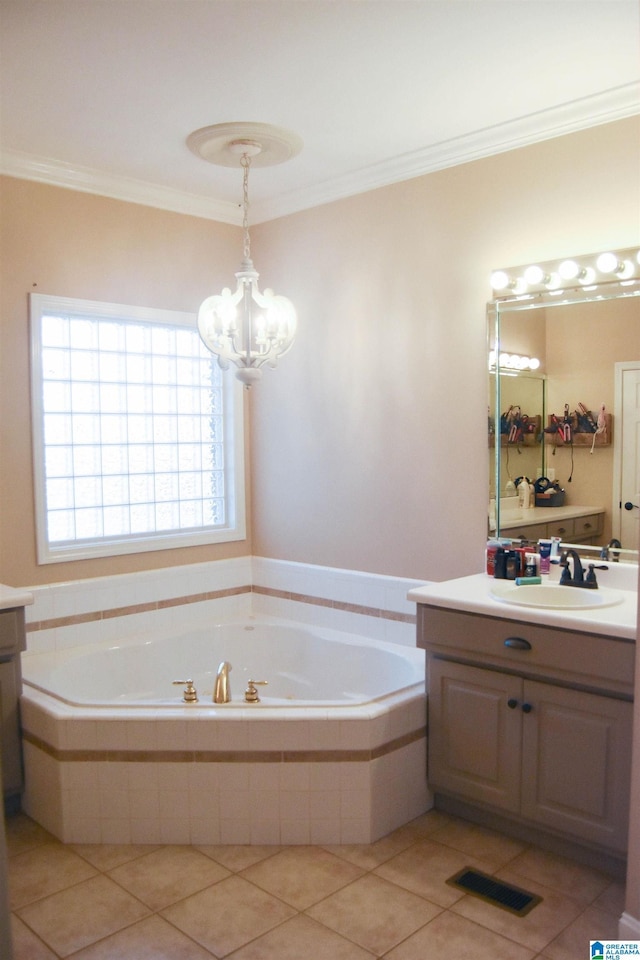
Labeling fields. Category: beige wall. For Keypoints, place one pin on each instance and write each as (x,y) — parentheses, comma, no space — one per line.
(369,441)
(369,446)
(65,243)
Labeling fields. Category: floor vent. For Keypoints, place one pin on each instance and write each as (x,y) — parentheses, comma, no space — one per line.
(494,891)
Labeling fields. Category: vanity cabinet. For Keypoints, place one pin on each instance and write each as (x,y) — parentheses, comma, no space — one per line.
(12,642)
(538,729)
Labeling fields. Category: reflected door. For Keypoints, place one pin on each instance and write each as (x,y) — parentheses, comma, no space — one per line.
(627,454)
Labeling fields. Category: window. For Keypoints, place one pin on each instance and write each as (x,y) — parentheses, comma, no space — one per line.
(138,436)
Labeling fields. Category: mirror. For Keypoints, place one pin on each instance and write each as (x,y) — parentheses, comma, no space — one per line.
(584,330)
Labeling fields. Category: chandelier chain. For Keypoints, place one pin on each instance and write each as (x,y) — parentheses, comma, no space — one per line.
(246,163)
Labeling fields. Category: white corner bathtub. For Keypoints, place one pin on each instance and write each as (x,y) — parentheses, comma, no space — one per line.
(303,667)
(334,752)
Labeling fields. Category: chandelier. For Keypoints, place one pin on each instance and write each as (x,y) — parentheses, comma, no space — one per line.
(246,327)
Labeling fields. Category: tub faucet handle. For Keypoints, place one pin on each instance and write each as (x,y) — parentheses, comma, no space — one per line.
(251,694)
(190,692)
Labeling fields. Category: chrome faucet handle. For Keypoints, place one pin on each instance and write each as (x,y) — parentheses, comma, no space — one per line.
(190,693)
(251,694)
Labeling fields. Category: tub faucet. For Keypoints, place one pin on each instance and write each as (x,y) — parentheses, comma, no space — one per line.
(221,688)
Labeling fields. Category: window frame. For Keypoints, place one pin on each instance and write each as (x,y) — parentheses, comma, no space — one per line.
(233,442)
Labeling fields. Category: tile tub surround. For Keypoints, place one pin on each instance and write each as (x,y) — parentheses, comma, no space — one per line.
(114,608)
(150,779)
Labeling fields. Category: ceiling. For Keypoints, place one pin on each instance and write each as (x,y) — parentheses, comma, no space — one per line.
(100,95)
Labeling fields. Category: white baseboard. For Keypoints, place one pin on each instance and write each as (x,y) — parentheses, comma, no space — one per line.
(628,927)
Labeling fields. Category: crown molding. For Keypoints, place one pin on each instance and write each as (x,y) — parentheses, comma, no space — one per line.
(615,104)
(58,173)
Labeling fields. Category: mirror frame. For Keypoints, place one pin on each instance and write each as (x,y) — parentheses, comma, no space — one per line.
(551,284)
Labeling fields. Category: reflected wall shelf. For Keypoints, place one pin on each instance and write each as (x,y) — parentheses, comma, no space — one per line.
(580,439)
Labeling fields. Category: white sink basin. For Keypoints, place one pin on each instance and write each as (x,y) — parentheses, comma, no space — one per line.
(552,596)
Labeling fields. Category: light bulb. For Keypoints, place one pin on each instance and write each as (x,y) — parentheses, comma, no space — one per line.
(535,275)
(534,363)
(588,275)
(500,280)
(627,270)
(608,263)
(568,270)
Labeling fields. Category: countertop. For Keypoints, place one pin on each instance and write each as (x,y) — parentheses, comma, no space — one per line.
(14,597)
(471,595)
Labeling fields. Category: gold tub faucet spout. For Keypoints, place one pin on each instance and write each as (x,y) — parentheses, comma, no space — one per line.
(222,688)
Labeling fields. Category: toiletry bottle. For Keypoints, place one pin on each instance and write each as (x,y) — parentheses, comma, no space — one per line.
(544,547)
(490,556)
(531,567)
(512,564)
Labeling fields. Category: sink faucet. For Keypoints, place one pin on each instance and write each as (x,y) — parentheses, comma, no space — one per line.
(577,580)
(221,688)
(613,545)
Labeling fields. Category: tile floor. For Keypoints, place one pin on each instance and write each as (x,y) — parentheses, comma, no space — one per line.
(388,899)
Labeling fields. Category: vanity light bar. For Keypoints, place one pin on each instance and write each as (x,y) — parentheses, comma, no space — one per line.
(614,266)
(513,361)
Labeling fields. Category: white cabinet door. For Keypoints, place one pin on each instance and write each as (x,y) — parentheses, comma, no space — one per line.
(576,762)
(475,733)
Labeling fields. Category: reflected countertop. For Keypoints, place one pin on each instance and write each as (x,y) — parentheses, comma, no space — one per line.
(472,595)
(537,515)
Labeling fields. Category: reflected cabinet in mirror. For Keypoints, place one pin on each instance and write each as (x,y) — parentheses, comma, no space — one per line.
(564,403)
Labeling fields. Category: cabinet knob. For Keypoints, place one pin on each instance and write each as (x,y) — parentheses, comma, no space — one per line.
(517,643)
(526,708)
(512,703)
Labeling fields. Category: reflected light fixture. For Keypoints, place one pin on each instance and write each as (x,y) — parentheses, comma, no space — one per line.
(246,327)
(512,361)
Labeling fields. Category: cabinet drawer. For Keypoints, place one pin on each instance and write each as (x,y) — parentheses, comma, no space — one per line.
(601,662)
(588,526)
(534,532)
(561,528)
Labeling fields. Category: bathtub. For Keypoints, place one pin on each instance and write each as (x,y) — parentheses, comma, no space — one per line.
(334,752)
(303,667)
